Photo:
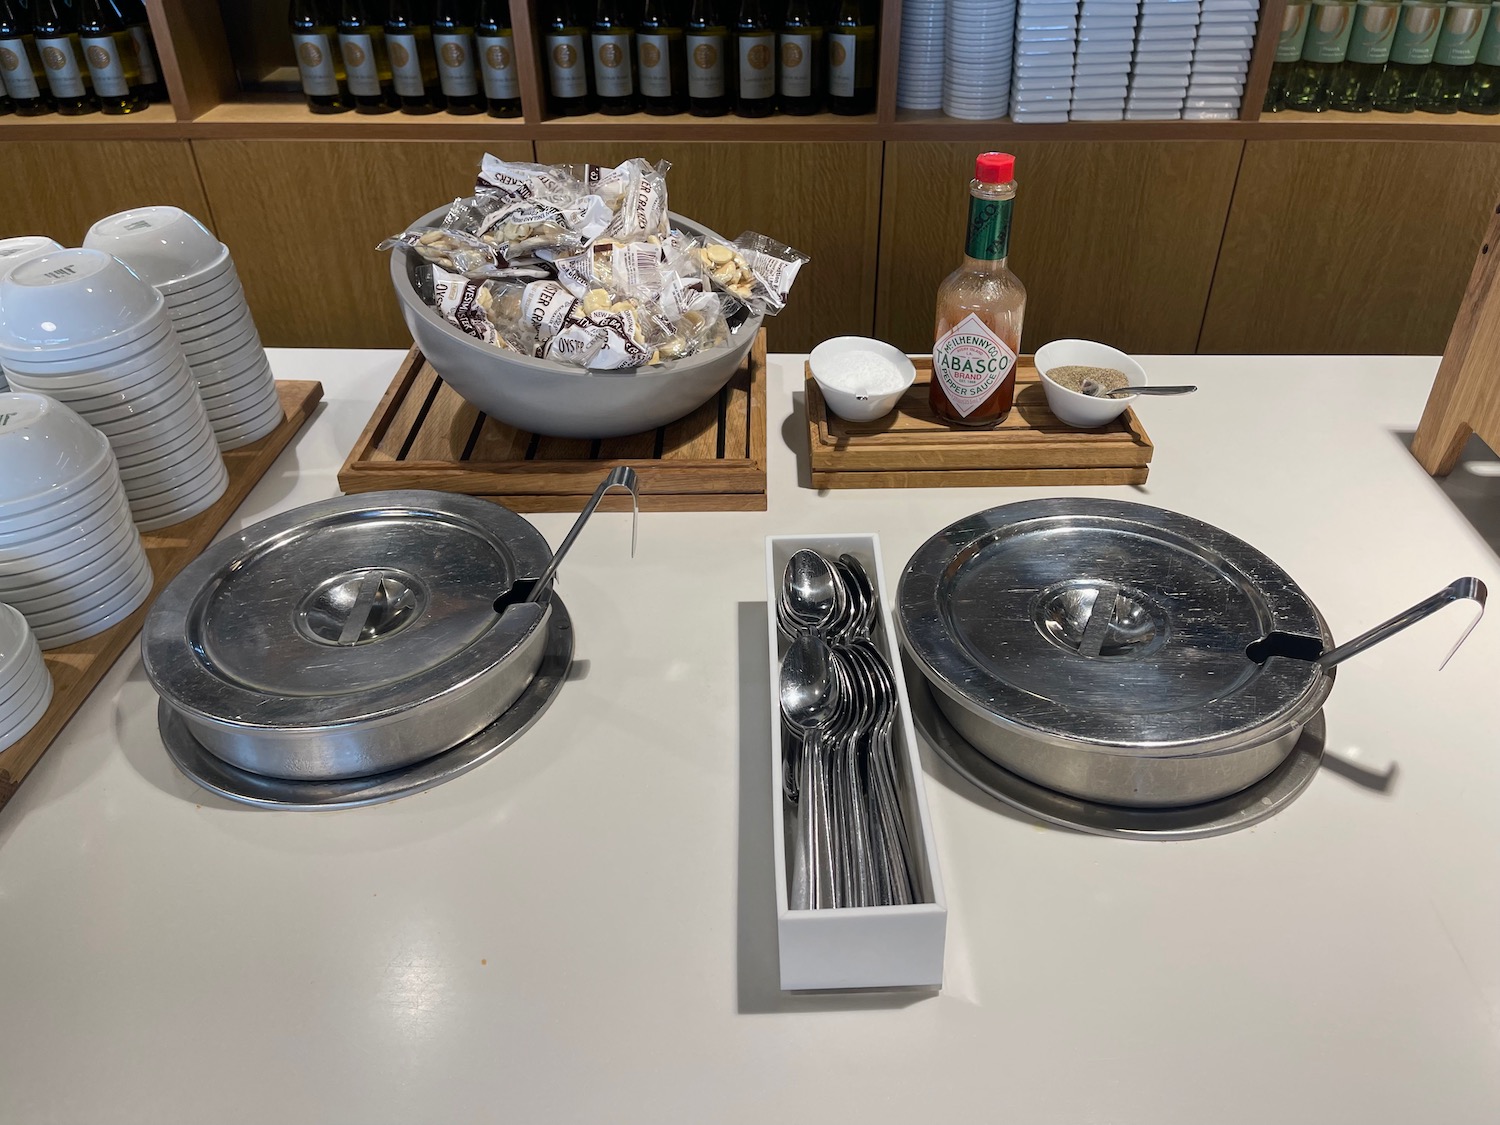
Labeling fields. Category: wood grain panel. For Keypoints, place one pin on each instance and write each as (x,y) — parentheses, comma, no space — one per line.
(194,51)
(303,219)
(1350,247)
(822,199)
(1113,241)
(61,188)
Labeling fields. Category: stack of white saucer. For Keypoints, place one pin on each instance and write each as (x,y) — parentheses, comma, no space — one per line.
(1046,39)
(14,251)
(193,270)
(919,80)
(71,560)
(979,40)
(80,326)
(1221,57)
(25,683)
(1163,59)
(1106,44)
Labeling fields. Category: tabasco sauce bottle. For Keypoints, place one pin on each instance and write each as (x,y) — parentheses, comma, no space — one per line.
(979,309)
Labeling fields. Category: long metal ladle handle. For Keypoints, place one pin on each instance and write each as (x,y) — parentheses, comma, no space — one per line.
(622,476)
(1471,588)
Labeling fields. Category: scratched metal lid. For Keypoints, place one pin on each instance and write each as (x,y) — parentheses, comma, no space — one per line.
(1109,623)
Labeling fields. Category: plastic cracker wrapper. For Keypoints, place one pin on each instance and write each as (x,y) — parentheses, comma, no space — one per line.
(458,252)
(464,303)
(754,269)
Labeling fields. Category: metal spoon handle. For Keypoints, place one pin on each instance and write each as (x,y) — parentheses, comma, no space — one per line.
(1121,392)
(1470,588)
(622,476)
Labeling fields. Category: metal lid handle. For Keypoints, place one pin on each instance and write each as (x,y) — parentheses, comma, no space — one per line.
(1462,588)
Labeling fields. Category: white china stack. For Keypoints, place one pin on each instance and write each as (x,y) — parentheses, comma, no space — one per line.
(25,683)
(1106,44)
(979,41)
(919,80)
(1221,57)
(1046,39)
(79,326)
(194,272)
(71,559)
(14,251)
(1163,60)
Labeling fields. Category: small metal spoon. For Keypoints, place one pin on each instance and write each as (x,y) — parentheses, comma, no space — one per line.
(811,590)
(1095,390)
(809,695)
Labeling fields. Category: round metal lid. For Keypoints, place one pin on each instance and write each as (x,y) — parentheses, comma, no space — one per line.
(342,611)
(1000,609)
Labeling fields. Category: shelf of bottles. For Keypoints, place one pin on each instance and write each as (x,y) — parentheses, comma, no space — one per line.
(70,58)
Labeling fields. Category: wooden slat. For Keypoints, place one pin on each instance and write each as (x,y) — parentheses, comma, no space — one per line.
(709,477)
(979,478)
(1258,77)
(497,440)
(408,414)
(194,54)
(77,668)
(380,421)
(550,449)
(631,448)
(678,502)
(446,428)
(694,438)
(737,416)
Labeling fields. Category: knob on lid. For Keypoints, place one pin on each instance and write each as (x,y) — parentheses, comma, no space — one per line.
(995,168)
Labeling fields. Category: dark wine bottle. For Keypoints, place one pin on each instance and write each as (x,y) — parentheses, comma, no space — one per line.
(57,46)
(367,67)
(414,68)
(110,57)
(755,61)
(851,59)
(661,49)
(612,49)
(20,62)
(565,38)
(458,68)
(495,44)
(319,62)
(709,61)
(138,26)
(802,52)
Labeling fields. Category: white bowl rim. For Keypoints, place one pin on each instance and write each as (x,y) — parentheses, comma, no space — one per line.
(1079,395)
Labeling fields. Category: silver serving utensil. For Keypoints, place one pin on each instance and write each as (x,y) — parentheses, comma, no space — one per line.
(808,691)
(1095,390)
(810,592)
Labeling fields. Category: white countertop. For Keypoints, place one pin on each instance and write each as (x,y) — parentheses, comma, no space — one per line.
(584,927)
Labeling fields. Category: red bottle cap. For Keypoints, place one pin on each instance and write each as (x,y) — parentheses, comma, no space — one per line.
(995,168)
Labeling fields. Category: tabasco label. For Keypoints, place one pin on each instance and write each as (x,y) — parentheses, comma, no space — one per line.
(971,363)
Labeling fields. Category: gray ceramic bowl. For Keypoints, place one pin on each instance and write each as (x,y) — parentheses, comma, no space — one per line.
(556,399)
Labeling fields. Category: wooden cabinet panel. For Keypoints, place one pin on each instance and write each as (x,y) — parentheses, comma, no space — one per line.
(61,188)
(822,199)
(1349,247)
(303,219)
(1114,241)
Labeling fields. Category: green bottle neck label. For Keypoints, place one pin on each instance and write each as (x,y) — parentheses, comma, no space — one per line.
(1417,33)
(989,229)
(1328,27)
(1293,32)
(1374,32)
(1463,31)
(1489,46)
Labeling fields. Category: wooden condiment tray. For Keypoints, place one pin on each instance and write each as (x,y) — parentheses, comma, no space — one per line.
(911,448)
(77,668)
(425,435)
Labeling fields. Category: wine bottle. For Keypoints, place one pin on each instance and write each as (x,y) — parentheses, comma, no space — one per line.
(1482,90)
(1411,52)
(366,65)
(661,50)
(1442,84)
(319,62)
(495,47)
(414,68)
(612,48)
(755,62)
(566,38)
(802,52)
(1329,24)
(708,60)
(110,57)
(1352,85)
(20,63)
(138,27)
(458,68)
(57,46)
(851,59)
(1288,53)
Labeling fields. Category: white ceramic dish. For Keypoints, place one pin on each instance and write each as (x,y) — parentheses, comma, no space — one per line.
(71,632)
(74,303)
(224,303)
(44,449)
(100,600)
(1072,407)
(118,378)
(156,440)
(164,245)
(211,291)
(58,552)
(117,405)
(838,365)
(16,643)
(17,720)
(186,507)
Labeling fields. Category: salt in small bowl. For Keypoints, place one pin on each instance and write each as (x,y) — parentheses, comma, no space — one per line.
(861,379)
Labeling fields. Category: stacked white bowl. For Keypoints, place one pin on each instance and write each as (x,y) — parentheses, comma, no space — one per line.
(1163,60)
(25,683)
(1221,57)
(71,560)
(1106,44)
(919,78)
(80,326)
(979,38)
(192,269)
(14,251)
(1046,39)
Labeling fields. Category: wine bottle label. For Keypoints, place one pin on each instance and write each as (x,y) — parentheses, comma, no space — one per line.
(1293,32)
(1417,33)
(406,64)
(1328,28)
(655,58)
(1462,32)
(970,362)
(140,35)
(314,63)
(17,70)
(60,63)
(1373,33)
(796,65)
(456,69)
(757,55)
(497,64)
(706,65)
(565,66)
(1489,46)
(360,65)
(612,77)
(105,66)
(841,61)
(989,229)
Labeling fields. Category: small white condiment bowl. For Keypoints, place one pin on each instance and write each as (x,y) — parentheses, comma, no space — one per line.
(827,362)
(1073,407)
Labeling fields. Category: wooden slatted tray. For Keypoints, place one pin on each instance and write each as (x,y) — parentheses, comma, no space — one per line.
(77,668)
(910,448)
(425,435)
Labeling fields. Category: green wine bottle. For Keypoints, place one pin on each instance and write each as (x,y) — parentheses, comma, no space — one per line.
(612,49)
(366,64)
(495,42)
(1482,90)
(110,57)
(56,33)
(851,59)
(661,51)
(1288,53)
(458,70)
(1457,50)
(138,26)
(319,62)
(566,40)
(803,54)
(414,68)
(1416,40)
(1352,86)
(708,60)
(755,62)
(1328,26)
(20,63)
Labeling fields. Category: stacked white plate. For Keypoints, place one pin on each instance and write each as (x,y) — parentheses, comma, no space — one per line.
(80,326)
(192,269)
(1163,59)
(14,251)
(1221,57)
(919,78)
(979,39)
(71,560)
(1046,38)
(1106,44)
(25,683)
